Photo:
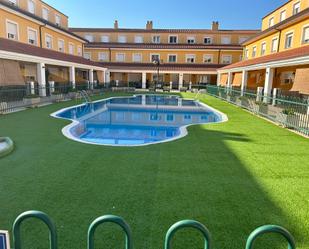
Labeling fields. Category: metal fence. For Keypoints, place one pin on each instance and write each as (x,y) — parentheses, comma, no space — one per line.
(171,233)
(290,112)
(15,98)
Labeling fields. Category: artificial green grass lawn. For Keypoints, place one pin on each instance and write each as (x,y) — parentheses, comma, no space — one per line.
(233,177)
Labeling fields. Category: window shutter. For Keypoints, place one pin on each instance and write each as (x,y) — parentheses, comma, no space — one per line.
(12,28)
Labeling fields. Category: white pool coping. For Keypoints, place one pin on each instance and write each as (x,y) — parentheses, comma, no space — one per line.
(183,129)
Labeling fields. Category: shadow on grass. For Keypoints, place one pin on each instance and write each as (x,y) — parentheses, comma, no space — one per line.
(198,177)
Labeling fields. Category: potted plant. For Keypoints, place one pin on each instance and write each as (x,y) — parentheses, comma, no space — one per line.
(230,97)
(57,96)
(72,93)
(32,100)
(242,101)
(288,118)
(262,107)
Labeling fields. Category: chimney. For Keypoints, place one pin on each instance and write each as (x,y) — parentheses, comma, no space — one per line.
(149,25)
(116,24)
(215,26)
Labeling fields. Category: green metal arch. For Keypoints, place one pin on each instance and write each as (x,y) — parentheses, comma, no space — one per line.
(111,219)
(38,215)
(187,224)
(270,229)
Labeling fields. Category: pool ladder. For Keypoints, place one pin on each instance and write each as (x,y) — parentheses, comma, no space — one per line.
(85,96)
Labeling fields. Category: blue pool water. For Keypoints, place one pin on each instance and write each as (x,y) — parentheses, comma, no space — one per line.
(138,120)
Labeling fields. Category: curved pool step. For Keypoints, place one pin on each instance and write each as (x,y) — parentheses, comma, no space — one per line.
(6,146)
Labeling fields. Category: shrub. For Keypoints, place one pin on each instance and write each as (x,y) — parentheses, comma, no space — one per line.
(288,111)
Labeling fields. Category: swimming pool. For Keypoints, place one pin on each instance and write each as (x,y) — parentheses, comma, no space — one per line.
(135,121)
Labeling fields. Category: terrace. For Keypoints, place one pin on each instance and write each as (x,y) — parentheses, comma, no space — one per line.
(222,175)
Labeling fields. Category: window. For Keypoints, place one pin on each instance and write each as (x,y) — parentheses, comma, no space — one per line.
(156,39)
(58,20)
(253,52)
(12,30)
(103,56)
(32,36)
(287,78)
(208,40)
(138,39)
(242,39)
(306,35)
(13,2)
(172,58)
(120,57)
(226,40)
(226,59)
(31,6)
(173,39)
(271,22)
(137,57)
(104,38)
(274,45)
(246,54)
(48,41)
(296,8)
(87,55)
(79,51)
(190,40)
(282,15)
(89,38)
(122,39)
(289,40)
(61,45)
(208,58)
(45,13)
(263,48)
(154,57)
(190,58)
(71,48)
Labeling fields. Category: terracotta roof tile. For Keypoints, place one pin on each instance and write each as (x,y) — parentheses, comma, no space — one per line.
(22,48)
(134,30)
(167,66)
(162,46)
(285,55)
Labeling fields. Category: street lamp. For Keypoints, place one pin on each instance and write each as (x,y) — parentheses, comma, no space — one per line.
(157,62)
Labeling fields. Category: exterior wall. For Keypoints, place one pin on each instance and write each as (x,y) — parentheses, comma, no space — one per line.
(164,36)
(39,5)
(24,24)
(297,29)
(288,7)
(181,55)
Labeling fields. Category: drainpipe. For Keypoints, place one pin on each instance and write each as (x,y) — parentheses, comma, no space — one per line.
(110,54)
(219,55)
(41,42)
(279,39)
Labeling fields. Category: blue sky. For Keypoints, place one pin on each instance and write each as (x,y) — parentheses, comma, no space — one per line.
(232,14)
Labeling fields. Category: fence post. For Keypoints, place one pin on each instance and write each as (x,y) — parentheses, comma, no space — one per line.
(171,85)
(190,85)
(270,229)
(51,86)
(32,90)
(259,94)
(275,95)
(34,214)
(111,219)
(187,224)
